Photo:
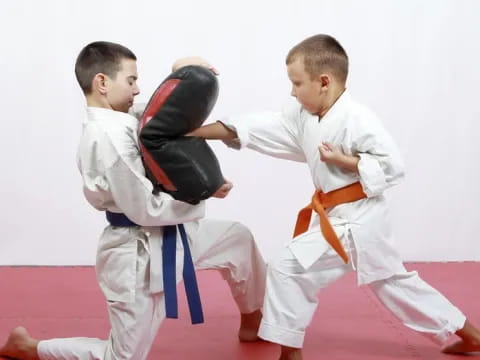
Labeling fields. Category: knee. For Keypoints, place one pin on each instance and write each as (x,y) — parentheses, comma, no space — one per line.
(123,353)
(128,346)
(241,232)
(284,265)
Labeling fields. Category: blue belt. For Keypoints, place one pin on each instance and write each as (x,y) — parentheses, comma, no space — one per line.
(169,256)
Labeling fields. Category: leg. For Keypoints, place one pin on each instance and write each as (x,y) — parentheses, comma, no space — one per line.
(422,308)
(291,298)
(20,345)
(133,327)
(230,248)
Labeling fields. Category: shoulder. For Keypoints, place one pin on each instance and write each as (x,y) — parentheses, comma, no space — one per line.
(292,109)
(363,118)
(367,130)
(111,123)
(137,109)
(293,113)
(110,134)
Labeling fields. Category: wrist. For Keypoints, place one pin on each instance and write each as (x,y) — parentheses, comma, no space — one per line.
(347,162)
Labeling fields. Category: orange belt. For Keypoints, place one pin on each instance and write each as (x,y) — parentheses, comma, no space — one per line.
(322,201)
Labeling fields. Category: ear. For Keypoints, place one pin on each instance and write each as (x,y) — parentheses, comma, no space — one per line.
(99,83)
(325,81)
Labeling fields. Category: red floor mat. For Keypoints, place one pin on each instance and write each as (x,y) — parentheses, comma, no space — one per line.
(349,324)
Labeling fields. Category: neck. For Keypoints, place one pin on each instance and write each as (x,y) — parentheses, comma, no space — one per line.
(95,101)
(332,98)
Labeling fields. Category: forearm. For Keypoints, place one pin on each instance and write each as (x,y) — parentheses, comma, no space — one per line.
(217,131)
(132,193)
(346,162)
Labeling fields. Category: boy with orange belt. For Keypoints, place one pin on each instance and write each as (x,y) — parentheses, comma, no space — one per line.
(353,160)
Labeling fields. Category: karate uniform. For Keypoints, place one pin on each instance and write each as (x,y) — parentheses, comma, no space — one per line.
(308,264)
(129,259)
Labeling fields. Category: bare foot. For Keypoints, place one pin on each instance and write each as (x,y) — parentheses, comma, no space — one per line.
(469,343)
(20,345)
(249,325)
(462,347)
(289,353)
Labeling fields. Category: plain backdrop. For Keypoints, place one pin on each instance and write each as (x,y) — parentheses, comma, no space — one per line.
(416,63)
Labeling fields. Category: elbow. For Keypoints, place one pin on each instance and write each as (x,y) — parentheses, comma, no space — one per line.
(396,174)
(376,177)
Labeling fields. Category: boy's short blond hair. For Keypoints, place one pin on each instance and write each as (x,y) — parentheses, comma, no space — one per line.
(321,53)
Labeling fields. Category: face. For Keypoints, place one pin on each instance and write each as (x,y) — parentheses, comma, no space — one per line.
(121,90)
(310,93)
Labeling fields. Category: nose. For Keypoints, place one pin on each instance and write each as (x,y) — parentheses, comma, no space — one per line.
(136,91)
(293,93)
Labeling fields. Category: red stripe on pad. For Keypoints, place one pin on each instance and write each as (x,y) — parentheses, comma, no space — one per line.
(157,101)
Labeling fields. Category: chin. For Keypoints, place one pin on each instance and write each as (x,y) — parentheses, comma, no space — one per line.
(123,109)
(310,111)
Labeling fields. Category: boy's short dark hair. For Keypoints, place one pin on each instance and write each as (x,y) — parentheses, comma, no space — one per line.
(321,53)
(99,57)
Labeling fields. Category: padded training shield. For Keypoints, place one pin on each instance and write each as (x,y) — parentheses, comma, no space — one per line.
(184,167)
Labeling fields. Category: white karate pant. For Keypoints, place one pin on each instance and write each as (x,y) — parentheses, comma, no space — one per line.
(226,246)
(291,299)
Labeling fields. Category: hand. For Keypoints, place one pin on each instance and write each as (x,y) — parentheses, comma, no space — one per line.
(334,155)
(193,60)
(223,190)
(330,153)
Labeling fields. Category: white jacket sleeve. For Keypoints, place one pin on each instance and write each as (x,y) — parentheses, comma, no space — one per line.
(381,165)
(270,133)
(114,178)
(137,109)
(132,193)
